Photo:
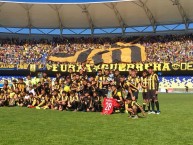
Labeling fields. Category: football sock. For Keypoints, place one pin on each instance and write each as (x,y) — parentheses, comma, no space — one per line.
(152,105)
(157,105)
(148,107)
(144,105)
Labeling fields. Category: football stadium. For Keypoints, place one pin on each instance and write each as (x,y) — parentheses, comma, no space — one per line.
(96,72)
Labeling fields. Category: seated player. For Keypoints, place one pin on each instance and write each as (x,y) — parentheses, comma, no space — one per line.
(89,102)
(54,100)
(63,101)
(73,101)
(96,102)
(81,103)
(42,99)
(17,97)
(20,102)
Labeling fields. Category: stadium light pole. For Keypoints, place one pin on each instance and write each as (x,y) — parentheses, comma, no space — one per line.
(27,8)
(84,9)
(118,16)
(182,12)
(148,13)
(56,8)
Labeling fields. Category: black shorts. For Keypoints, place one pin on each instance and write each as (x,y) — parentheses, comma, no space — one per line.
(135,94)
(152,94)
(102,92)
(145,95)
(138,110)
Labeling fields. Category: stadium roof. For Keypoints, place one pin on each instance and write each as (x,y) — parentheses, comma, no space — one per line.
(122,16)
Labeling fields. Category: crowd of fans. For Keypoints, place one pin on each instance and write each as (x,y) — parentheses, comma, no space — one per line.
(170,48)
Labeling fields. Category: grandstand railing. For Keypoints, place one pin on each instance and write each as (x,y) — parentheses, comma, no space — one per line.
(134,30)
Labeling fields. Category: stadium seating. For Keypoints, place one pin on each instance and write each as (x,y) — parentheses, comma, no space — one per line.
(172,48)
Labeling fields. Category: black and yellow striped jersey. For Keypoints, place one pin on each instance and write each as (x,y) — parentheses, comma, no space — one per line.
(144,83)
(153,82)
(73,98)
(99,80)
(133,103)
(123,85)
(117,95)
(21,87)
(56,87)
(133,83)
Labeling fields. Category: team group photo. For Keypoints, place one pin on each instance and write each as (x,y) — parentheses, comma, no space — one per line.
(96,72)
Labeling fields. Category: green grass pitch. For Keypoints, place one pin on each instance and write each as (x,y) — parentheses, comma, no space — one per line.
(174,126)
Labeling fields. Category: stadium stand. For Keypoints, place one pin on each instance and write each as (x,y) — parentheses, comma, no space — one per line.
(170,48)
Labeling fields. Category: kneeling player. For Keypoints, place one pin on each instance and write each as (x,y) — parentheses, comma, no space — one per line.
(133,107)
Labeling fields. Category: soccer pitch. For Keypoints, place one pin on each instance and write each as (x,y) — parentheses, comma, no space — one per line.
(174,126)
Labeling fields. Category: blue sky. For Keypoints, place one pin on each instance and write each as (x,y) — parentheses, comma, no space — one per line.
(60,1)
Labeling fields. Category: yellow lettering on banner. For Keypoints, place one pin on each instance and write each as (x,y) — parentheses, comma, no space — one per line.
(54,67)
(183,66)
(79,67)
(72,66)
(157,66)
(147,65)
(105,66)
(129,66)
(63,67)
(139,66)
(166,67)
(122,67)
(190,66)
(96,67)
(88,68)
(48,67)
(113,66)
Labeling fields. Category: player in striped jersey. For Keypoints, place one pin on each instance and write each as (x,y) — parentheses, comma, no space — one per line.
(133,82)
(143,83)
(153,86)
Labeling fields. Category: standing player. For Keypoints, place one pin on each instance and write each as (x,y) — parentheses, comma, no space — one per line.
(134,83)
(144,82)
(153,85)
